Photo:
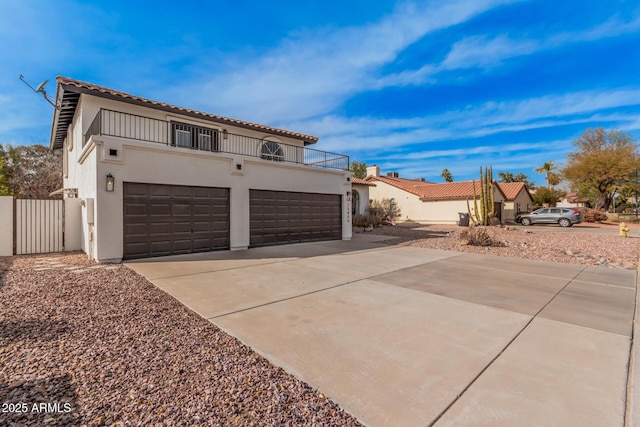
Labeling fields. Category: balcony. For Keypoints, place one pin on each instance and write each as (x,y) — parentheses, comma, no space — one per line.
(184,135)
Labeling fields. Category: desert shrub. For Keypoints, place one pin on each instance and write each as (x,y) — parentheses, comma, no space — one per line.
(386,210)
(477,236)
(592,215)
(366,220)
(494,220)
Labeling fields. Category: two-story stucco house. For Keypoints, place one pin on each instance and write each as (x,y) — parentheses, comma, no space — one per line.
(156,179)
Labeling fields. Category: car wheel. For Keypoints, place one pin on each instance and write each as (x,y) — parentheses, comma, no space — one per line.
(564,222)
(525,221)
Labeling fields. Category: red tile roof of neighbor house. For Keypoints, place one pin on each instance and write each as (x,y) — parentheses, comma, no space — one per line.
(410,185)
(77,86)
(574,198)
(427,191)
(512,189)
(359,181)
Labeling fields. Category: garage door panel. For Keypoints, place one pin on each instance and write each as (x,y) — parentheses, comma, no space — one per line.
(135,229)
(156,191)
(180,192)
(159,228)
(135,189)
(165,220)
(160,209)
(202,209)
(138,249)
(181,209)
(136,209)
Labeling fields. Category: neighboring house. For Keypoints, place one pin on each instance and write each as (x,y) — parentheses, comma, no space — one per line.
(360,196)
(518,199)
(572,200)
(156,179)
(429,202)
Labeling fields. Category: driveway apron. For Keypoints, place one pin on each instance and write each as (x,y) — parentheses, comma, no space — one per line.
(402,336)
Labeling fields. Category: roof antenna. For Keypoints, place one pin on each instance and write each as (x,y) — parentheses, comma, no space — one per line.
(40,89)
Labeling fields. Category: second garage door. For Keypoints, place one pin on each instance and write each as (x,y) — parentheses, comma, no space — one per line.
(280,217)
(174,219)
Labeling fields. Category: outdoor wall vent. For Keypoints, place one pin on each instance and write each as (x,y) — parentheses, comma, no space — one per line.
(113,152)
(239,166)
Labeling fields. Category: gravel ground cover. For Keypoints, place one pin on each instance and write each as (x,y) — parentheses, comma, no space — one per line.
(569,247)
(99,345)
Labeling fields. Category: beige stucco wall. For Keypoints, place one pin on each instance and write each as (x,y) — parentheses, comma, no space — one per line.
(81,172)
(411,208)
(523,201)
(147,162)
(564,203)
(430,212)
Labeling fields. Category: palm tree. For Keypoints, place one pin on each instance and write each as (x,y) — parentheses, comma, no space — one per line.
(550,176)
(446,175)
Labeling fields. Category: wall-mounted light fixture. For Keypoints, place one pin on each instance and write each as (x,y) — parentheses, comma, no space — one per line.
(348,193)
(225,134)
(111,181)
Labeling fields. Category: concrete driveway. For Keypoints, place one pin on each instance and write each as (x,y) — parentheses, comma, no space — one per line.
(402,336)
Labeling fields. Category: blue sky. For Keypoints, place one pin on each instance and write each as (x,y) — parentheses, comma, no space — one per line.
(413,87)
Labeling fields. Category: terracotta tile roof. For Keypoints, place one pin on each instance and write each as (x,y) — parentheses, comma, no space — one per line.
(512,189)
(359,181)
(574,198)
(450,190)
(410,185)
(427,191)
(66,84)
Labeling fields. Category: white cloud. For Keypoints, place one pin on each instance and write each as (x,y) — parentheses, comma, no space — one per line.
(313,72)
(360,134)
(484,52)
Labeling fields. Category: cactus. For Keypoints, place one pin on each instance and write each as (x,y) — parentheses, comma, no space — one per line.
(482,214)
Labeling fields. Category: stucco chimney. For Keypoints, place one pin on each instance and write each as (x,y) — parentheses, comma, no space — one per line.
(373,170)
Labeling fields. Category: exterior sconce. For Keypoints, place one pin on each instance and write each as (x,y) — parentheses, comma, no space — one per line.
(348,193)
(110,183)
(225,134)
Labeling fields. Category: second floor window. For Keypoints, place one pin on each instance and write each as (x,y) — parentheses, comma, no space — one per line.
(271,150)
(194,137)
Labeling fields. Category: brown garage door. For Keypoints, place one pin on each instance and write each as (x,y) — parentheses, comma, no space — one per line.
(173,219)
(280,217)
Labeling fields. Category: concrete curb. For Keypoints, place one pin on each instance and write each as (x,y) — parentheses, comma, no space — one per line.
(632,416)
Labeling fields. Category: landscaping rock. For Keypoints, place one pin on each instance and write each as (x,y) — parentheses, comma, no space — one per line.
(559,246)
(119,351)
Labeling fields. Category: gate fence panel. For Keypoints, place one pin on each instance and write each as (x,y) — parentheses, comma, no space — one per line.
(39,226)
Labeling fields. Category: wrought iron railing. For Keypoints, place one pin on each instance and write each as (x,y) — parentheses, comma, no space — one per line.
(184,135)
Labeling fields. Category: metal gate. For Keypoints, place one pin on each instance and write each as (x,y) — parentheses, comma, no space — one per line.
(39,226)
